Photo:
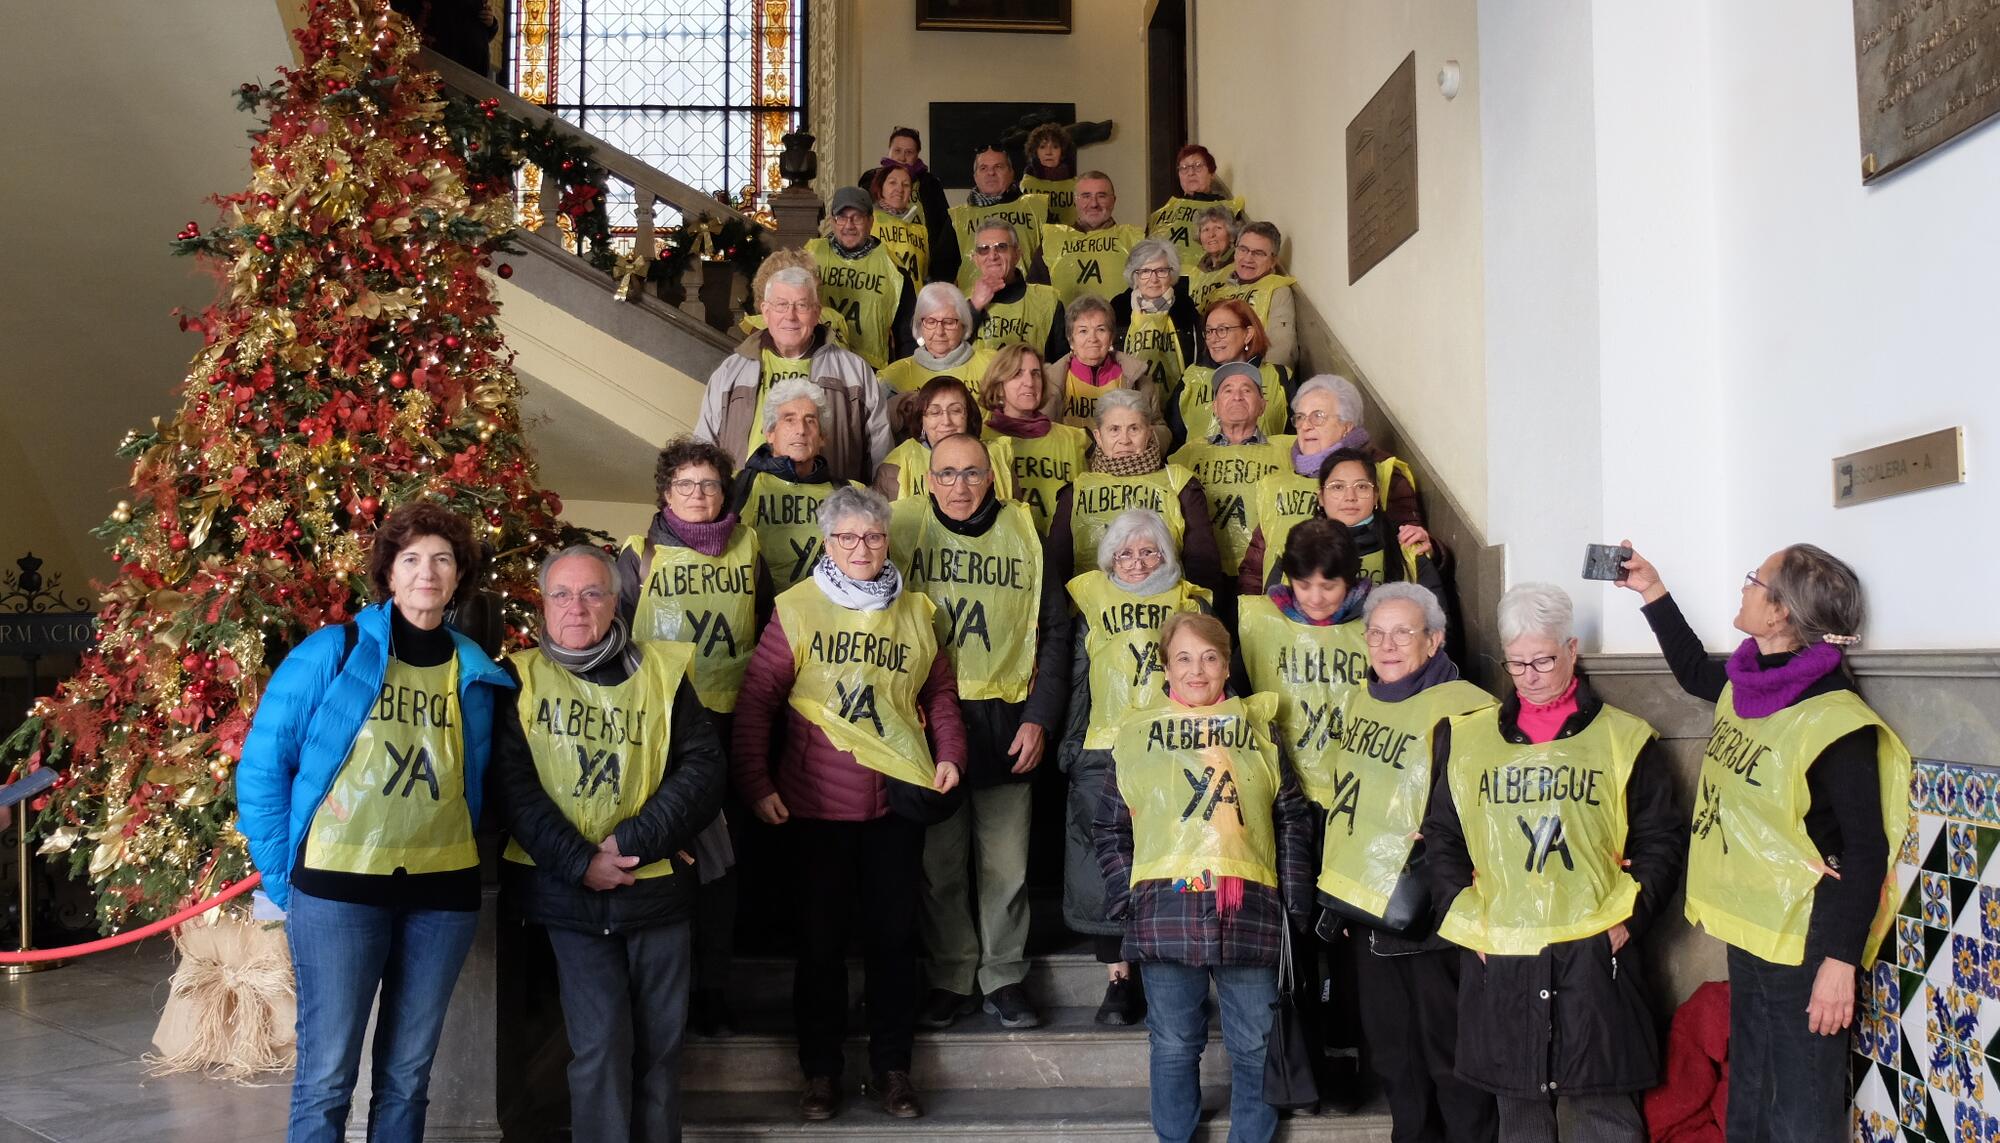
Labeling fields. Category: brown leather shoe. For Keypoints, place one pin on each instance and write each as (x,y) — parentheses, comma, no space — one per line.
(896,1095)
(821,1099)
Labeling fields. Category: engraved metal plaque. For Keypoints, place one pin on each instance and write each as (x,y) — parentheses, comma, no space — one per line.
(1929,461)
(1927,71)
(1382,171)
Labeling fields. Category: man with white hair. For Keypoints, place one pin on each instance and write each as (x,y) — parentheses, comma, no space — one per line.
(795,346)
(609,766)
(782,484)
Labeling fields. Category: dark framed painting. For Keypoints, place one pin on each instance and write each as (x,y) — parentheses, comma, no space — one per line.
(1052,16)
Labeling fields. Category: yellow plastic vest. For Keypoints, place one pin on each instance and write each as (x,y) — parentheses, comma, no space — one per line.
(1061,194)
(1200,282)
(1752,868)
(1545,825)
(1197,401)
(1257,293)
(1201,783)
(988,592)
(707,602)
(1150,337)
(398,801)
(1315,672)
(1042,466)
(1229,476)
(912,459)
(601,751)
(1174,221)
(1099,498)
(1122,643)
(1282,501)
(1080,401)
(909,242)
(1088,262)
(858,677)
(1383,784)
(906,376)
(775,369)
(1029,214)
(865,291)
(786,518)
(1028,320)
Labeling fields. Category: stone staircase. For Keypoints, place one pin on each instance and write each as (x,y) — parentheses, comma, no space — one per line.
(1070,1079)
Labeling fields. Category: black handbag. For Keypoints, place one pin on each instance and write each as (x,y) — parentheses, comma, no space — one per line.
(923,805)
(1288,1071)
(1408,912)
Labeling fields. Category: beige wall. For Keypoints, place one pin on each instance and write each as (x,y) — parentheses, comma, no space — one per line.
(1276,82)
(891,72)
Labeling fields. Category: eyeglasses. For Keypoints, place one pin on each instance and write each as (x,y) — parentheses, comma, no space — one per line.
(992,247)
(791,307)
(1344,487)
(1219,330)
(1750,578)
(1191,166)
(1141,558)
(591,596)
(1395,637)
(1154,272)
(848,541)
(1253,252)
(696,487)
(937,324)
(1541,665)
(1316,417)
(947,477)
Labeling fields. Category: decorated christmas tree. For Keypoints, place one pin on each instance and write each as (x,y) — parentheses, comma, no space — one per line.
(350,365)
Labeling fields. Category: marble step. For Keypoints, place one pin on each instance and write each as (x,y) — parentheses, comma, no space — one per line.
(1055,980)
(1067,1115)
(1069,1051)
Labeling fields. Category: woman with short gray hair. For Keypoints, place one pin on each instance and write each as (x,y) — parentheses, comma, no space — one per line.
(1551,843)
(848,681)
(1126,471)
(1800,893)
(1216,230)
(1094,366)
(780,488)
(1155,316)
(1134,565)
(1370,871)
(941,330)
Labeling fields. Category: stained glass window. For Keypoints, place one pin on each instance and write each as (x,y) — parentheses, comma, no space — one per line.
(702,89)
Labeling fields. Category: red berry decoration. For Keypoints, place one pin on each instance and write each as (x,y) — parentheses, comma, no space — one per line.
(177,542)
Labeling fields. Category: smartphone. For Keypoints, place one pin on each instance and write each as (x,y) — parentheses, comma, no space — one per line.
(1605,562)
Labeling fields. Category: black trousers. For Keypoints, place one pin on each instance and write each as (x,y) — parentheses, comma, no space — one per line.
(877,866)
(624,999)
(1409,1018)
(1787,1083)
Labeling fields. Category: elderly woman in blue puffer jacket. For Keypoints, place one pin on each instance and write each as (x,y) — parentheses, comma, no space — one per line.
(358,791)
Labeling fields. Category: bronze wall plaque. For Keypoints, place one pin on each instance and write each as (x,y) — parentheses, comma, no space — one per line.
(1929,461)
(1382,171)
(1927,71)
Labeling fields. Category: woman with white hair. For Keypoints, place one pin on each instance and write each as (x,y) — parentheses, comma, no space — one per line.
(1126,471)
(1155,317)
(941,329)
(1121,603)
(781,487)
(1092,367)
(1370,875)
(1326,415)
(848,683)
(1553,840)
(1804,798)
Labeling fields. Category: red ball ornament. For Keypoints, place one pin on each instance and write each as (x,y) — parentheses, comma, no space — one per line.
(369,505)
(399,379)
(451,341)
(177,542)
(191,661)
(505,270)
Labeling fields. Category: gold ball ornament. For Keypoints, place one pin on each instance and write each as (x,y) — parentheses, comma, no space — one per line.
(122,512)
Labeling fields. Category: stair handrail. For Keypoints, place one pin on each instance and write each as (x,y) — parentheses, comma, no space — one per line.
(650,185)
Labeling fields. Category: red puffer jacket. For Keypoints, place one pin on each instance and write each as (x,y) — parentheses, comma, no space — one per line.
(815,779)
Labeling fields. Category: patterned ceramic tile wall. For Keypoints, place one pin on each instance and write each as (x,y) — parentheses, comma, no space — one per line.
(1927,1040)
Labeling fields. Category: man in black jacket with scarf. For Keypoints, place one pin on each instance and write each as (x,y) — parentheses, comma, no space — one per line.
(609,766)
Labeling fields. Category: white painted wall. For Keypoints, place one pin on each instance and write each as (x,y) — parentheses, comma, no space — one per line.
(1276,83)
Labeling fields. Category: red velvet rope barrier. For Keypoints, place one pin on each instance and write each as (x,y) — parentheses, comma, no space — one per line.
(162,925)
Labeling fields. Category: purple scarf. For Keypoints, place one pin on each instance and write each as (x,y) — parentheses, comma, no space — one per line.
(1308,463)
(709,539)
(1759,692)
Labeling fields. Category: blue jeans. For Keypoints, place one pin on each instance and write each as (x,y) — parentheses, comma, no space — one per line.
(1787,1083)
(1177,1028)
(341,954)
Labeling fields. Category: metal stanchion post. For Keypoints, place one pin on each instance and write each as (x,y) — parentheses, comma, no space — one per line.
(27,901)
